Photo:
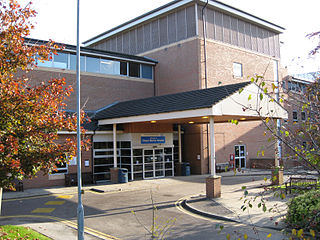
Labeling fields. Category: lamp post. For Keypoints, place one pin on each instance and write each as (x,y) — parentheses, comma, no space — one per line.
(80,212)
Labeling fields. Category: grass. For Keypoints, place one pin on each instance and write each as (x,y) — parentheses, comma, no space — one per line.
(20,233)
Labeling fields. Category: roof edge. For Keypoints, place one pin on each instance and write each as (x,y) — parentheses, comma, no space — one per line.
(175,4)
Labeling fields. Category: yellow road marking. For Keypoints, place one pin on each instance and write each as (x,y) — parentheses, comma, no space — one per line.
(43,210)
(65,196)
(55,203)
(69,224)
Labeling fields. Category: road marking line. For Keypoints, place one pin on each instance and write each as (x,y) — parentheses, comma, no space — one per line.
(69,224)
(43,210)
(40,196)
(65,196)
(55,203)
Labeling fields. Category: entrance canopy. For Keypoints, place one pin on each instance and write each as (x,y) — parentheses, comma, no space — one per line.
(242,101)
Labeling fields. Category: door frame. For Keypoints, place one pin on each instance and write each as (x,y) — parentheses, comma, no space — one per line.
(240,157)
(154,163)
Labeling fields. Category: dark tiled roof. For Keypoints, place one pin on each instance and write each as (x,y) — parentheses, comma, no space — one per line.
(196,99)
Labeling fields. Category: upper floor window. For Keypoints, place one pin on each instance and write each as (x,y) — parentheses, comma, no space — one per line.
(237,70)
(296,86)
(303,116)
(98,65)
(295,116)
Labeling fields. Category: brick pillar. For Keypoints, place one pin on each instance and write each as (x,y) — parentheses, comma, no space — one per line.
(213,186)
(277,176)
(114,172)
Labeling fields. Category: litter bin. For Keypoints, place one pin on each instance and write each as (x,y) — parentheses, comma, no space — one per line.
(123,175)
(185,169)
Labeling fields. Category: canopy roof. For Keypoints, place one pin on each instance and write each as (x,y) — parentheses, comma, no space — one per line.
(224,103)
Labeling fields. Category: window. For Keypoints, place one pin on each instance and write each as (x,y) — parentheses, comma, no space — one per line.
(61,168)
(295,116)
(134,69)
(123,68)
(303,116)
(109,67)
(146,71)
(237,69)
(60,60)
(73,62)
(44,63)
(92,64)
(65,60)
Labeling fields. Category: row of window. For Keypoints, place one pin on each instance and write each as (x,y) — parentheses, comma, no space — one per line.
(295,116)
(295,86)
(99,65)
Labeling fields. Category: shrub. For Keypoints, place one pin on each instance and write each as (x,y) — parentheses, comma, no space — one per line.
(304,211)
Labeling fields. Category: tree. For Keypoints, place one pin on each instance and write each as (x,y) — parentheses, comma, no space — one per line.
(30,115)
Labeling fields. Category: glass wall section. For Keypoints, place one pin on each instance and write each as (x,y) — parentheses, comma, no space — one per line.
(64,60)
(61,60)
(103,158)
(73,62)
(109,67)
(92,64)
(146,71)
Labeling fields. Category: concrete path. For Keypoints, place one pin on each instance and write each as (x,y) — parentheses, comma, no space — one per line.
(228,207)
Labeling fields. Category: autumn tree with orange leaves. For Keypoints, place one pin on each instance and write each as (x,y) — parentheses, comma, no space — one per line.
(30,115)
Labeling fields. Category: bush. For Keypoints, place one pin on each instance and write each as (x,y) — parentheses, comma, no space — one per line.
(304,211)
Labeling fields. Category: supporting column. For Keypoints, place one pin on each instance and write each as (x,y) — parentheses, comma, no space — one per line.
(114,171)
(213,182)
(115,160)
(179,139)
(178,165)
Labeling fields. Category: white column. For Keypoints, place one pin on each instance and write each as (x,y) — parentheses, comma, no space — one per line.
(212,149)
(180,149)
(115,160)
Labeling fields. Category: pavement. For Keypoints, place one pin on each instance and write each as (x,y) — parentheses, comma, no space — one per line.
(227,208)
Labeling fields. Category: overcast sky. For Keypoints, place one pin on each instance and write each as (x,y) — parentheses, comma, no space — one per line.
(56,20)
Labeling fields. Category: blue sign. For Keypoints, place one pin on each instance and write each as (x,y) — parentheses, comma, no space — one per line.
(153,139)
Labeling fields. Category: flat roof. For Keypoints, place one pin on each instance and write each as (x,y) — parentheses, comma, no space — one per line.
(97,53)
(176,4)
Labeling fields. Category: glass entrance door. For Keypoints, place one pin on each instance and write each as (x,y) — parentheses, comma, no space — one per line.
(240,156)
(153,163)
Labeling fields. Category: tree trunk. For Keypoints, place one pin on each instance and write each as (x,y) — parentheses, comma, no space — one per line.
(0,199)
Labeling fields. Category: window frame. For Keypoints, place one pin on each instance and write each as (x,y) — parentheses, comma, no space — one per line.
(235,69)
(295,119)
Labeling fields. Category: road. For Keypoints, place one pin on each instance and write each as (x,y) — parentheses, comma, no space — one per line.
(129,214)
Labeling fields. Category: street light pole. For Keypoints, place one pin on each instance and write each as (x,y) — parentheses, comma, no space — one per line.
(80,212)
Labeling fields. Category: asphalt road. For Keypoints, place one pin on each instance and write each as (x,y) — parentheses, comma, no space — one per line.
(130,214)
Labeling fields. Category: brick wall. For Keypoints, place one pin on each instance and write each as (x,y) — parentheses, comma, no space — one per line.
(97,90)
(41,180)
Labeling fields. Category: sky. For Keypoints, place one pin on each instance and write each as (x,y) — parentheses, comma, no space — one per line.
(56,20)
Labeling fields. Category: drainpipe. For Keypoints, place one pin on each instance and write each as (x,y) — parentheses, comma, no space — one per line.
(204,27)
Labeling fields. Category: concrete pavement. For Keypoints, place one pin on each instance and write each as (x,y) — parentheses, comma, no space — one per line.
(227,207)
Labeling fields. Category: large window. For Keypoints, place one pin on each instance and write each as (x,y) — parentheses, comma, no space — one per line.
(65,60)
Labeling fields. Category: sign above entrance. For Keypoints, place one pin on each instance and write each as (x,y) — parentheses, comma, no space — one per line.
(153,139)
